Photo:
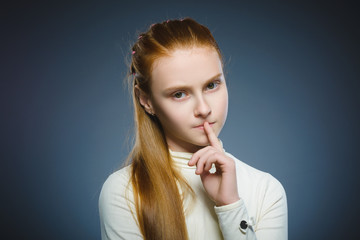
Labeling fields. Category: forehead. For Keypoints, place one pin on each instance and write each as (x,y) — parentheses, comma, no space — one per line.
(186,66)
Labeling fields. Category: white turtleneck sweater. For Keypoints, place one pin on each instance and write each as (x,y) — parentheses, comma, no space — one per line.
(262,206)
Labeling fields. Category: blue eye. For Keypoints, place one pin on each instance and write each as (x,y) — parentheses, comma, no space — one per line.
(179,95)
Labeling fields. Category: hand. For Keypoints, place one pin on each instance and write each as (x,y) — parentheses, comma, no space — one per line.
(221,185)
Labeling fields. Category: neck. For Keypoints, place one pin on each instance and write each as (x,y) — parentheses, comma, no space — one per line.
(187,147)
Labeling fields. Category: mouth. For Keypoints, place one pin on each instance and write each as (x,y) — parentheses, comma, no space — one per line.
(201,127)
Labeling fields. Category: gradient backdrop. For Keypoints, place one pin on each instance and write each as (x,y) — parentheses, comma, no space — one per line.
(293,77)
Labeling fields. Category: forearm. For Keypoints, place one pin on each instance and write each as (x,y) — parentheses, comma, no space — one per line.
(234,221)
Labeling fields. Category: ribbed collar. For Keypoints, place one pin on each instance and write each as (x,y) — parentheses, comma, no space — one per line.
(181,159)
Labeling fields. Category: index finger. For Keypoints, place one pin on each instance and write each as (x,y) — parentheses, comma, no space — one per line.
(213,140)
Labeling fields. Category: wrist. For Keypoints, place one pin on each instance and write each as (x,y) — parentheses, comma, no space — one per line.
(227,201)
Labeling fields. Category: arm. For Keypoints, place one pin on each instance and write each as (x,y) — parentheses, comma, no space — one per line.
(222,187)
(230,216)
(116,219)
(271,222)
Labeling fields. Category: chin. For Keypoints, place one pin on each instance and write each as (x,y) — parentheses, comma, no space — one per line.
(191,142)
(201,142)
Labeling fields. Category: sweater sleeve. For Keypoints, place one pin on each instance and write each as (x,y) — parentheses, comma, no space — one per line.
(116,219)
(230,218)
(273,222)
(271,216)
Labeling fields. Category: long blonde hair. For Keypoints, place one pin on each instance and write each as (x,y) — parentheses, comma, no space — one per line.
(154,178)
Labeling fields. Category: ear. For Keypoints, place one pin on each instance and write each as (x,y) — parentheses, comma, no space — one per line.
(144,100)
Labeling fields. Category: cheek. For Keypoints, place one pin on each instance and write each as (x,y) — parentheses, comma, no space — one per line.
(225,106)
(170,115)
(221,104)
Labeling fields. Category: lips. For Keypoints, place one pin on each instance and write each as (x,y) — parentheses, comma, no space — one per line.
(201,126)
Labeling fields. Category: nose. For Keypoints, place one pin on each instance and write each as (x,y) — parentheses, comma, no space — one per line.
(202,108)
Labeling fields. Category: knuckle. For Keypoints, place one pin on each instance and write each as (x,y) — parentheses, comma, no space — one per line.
(217,154)
(208,147)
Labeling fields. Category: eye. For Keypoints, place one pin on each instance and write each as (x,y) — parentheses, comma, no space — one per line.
(212,85)
(179,95)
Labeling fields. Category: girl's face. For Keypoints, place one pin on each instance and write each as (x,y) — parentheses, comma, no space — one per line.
(188,88)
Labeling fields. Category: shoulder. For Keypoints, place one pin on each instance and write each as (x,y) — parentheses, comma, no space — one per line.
(117,208)
(256,179)
(116,187)
(118,178)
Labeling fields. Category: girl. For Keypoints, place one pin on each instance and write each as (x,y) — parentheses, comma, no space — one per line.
(181,184)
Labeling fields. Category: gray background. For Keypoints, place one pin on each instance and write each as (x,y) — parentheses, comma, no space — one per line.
(293,77)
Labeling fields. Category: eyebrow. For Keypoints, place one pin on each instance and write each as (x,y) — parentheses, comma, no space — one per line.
(171,89)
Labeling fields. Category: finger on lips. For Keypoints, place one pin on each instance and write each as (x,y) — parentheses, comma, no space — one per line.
(213,140)
(200,158)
